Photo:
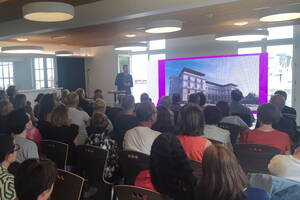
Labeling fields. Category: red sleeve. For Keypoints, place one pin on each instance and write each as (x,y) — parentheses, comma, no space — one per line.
(288,144)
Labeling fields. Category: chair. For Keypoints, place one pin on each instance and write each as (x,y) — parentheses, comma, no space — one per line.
(132,163)
(245,117)
(254,158)
(234,130)
(55,151)
(91,163)
(67,186)
(128,192)
(197,169)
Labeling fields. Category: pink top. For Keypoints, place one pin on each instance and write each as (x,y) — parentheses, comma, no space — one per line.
(34,135)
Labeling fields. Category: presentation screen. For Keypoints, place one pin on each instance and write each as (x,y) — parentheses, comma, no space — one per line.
(216,76)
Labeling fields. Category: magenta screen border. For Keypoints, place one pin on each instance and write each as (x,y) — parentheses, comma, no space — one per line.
(263,74)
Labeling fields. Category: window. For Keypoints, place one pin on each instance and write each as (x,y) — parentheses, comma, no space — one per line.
(6,74)
(50,72)
(156,57)
(44,73)
(249,50)
(157,44)
(282,32)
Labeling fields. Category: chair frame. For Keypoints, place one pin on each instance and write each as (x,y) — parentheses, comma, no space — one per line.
(116,188)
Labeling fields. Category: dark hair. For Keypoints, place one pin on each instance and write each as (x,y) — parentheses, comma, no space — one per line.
(144,111)
(20,101)
(213,115)
(163,123)
(39,97)
(34,176)
(236,95)
(59,116)
(81,93)
(176,98)
(223,177)
(6,146)
(127,102)
(282,93)
(170,170)
(17,121)
(144,98)
(46,106)
(224,108)
(11,91)
(192,120)
(202,97)
(268,114)
(194,98)
(99,122)
(97,91)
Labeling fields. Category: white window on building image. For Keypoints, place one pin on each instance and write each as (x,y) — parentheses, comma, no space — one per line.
(6,74)
(185,77)
(185,83)
(192,78)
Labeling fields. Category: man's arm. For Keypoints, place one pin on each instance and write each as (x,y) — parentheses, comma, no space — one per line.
(131,82)
(117,81)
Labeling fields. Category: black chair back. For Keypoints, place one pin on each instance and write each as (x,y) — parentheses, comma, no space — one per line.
(128,192)
(234,130)
(197,169)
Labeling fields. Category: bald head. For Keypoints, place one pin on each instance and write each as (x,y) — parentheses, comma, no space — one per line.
(278,101)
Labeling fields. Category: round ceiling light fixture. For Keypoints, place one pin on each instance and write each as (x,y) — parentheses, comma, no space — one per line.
(64,53)
(241,23)
(130,35)
(164,26)
(280,14)
(242,36)
(47,11)
(131,47)
(21,39)
(22,49)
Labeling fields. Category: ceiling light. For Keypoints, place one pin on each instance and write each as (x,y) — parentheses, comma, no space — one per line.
(47,11)
(22,49)
(280,17)
(164,26)
(242,23)
(131,47)
(22,39)
(241,36)
(130,35)
(64,53)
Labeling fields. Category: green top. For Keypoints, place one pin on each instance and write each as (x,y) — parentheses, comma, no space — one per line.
(7,185)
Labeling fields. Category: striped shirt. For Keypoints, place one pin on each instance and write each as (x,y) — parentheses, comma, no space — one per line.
(7,185)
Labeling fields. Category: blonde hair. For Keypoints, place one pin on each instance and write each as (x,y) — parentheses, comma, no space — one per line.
(5,107)
(99,105)
(72,99)
(59,116)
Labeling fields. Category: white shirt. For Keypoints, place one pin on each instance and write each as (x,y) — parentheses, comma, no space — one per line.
(215,133)
(285,166)
(139,139)
(235,120)
(81,119)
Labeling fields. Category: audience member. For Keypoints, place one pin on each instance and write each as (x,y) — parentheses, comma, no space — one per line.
(175,107)
(37,103)
(141,137)
(236,107)
(145,98)
(77,117)
(3,96)
(226,118)
(84,104)
(20,101)
(11,92)
(8,153)
(267,114)
(46,106)
(191,131)
(166,102)
(202,100)
(163,123)
(194,98)
(35,179)
(64,94)
(126,120)
(99,106)
(286,166)
(5,108)
(286,110)
(213,117)
(98,94)
(223,178)
(19,123)
(100,135)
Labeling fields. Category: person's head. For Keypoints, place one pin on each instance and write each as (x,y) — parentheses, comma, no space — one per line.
(194,98)
(146,113)
(64,94)
(176,98)
(236,95)
(46,106)
(165,101)
(268,114)
(282,93)
(39,98)
(223,177)
(163,122)
(144,98)
(99,121)
(224,108)
(35,179)
(72,99)
(127,103)
(98,94)
(59,116)
(20,101)
(171,173)
(19,121)
(8,149)
(202,100)
(99,106)
(213,115)
(3,96)
(278,101)
(11,91)
(80,92)
(125,69)
(192,120)
(5,108)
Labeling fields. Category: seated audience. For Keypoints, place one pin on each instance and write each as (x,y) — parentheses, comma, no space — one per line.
(141,137)
(163,123)
(77,117)
(99,106)
(267,114)
(84,104)
(213,117)
(37,104)
(226,118)
(19,123)
(175,107)
(35,179)
(3,96)
(145,98)
(100,135)
(98,94)
(166,102)
(202,100)
(286,166)
(11,92)
(286,110)
(5,108)
(223,178)
(8,153)
(191,131)
(64,94)
(20,101)
(170,170)
(126,120)
(194,98)
(236,107)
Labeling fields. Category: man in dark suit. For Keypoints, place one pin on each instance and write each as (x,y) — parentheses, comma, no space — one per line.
(124,80)
(287,111)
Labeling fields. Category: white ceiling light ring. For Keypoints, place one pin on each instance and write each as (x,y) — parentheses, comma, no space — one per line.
(47,11)
(131,47)
(280,14)
(251,35)
(64,53)
(164,26)
(22,49)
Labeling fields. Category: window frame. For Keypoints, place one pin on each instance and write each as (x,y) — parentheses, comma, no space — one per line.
(44,83)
